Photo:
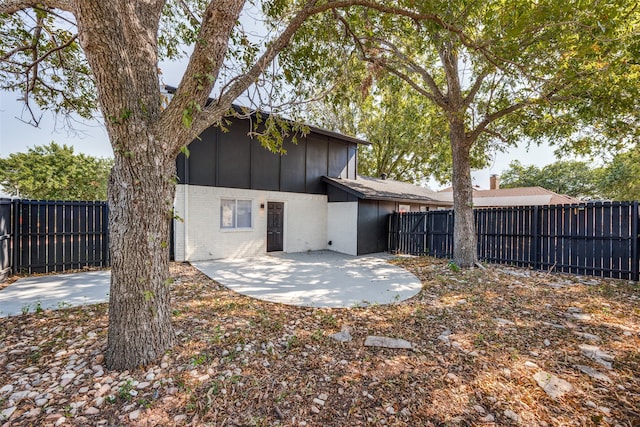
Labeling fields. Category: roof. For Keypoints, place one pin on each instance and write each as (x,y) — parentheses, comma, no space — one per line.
(519,196)
(365,187)
(314,129)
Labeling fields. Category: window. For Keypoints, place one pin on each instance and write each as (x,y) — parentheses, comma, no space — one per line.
(404,208)
(235,213)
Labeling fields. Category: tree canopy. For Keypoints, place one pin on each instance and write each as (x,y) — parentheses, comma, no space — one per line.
(573,178)
(409,140)
(54,172)
(497,73)
(618,179)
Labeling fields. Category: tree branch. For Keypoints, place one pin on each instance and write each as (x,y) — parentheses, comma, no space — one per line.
(10,7)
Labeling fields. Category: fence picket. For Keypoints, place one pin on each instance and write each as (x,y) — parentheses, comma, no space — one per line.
(600,239)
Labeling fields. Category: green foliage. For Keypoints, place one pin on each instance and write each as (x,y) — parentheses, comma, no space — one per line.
(409,139)
(527,71)
(54,172)
(60,82)
(573,178)
(618,179)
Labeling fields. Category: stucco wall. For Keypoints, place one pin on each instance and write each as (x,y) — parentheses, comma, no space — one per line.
(200,237)
(342,227)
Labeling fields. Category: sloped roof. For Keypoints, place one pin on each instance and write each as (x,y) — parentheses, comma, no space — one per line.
(172,89)
(519,196)
(365,187)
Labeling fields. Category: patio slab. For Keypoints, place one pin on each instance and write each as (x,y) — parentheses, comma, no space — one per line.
(54,291)
(315,279)
(311,279)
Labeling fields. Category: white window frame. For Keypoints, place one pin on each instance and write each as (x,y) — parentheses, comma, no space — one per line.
(234,212)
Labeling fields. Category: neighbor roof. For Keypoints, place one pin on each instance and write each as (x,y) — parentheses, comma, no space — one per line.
(519,196)
(365,187)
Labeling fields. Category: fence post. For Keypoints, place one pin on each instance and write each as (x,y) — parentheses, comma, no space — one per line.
(535,235)
(635,256)
(15,236)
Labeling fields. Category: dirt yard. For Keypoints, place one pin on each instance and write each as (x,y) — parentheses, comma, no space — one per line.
(501,346)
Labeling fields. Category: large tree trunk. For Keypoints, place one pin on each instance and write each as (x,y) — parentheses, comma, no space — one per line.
(464,230)
(141,192)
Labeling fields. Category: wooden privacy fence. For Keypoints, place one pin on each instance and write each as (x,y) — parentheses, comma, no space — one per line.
(596,239)
(39,236)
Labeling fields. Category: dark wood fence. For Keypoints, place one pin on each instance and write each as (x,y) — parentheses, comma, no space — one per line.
(6,233)
(39,236)
(597,239)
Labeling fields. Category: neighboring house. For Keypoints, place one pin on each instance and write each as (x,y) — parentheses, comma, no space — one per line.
(238,199)
(519,196)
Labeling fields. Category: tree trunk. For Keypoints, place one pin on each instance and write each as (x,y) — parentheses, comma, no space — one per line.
(464,230)
(141,192)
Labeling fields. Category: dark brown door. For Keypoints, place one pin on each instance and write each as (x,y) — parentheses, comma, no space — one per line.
(275,226)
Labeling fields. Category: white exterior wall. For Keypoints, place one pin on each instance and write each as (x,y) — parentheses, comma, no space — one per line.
(342,227)
(201,238)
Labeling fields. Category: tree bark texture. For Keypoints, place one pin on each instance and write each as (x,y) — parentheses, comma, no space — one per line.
(119,41)
(464,230)
(140,200)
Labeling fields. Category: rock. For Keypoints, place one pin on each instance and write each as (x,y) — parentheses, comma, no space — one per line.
(546,342)
(479,409)
(593,373)
(6,413)
(98,359)
(385,342)
(6,389)
(512,415)
(143,385)
(103,390)
(343,336)
(593,352)
(60,421)
(91,411)
(530,364)
(390,410)
(134,415)
(503,322)
(587,336)
(67,378)
(488,419)
(581,316)
(41,402)
(18,396)
(552,385)
(179,418)
(323,396)
(318,401)
(315,410)
(150,376)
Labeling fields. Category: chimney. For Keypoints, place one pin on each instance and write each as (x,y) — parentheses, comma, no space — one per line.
(494,182)
(383,176)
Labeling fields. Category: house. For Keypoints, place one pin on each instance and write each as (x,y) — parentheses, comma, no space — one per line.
(238,199)
(519,196)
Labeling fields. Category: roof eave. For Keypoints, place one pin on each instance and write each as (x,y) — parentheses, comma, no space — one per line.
(314,129)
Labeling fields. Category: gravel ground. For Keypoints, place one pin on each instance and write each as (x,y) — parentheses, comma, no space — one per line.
(501,346)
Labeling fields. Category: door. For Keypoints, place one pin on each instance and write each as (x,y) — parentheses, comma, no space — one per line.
(275,226)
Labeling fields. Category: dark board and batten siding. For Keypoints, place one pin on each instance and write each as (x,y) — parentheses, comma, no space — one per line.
(233,159)
(372,225)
